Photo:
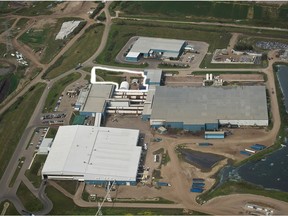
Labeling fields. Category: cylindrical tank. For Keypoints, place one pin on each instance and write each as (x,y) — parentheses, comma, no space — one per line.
(124,85)
(211,76)
(207,76)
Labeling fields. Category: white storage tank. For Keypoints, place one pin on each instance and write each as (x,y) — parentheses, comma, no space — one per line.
(124,85)
(211,76)
(207,76)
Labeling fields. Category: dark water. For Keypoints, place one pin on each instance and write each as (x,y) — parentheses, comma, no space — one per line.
(204,161)
(6,70)
(282,75)
(270,172)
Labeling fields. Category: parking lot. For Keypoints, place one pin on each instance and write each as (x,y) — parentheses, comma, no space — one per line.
(37,137)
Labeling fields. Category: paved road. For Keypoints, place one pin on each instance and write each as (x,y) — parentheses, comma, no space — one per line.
(10,193)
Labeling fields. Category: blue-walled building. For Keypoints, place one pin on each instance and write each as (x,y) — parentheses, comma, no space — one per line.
(149,47)
(205,108)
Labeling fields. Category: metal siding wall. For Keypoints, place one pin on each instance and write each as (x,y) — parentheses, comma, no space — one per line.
(101,182)
(211,126)
(214,136)
(131,59)
(146,117)
(86,113)
(178,125)
(194,128)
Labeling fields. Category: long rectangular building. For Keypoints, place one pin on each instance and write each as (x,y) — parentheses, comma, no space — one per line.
(94,155)
(149,47)
(205,108)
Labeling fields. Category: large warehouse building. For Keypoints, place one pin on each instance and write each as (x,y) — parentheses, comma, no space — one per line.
(205,108)
(94,154)
(155,47)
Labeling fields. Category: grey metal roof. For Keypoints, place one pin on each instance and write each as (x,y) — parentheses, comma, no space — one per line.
(144,44)
(154,75)
(199,105)
(97,98)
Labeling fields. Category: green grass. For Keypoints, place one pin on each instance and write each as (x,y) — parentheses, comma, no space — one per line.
(44,39)
(13,123)
(29,201)
(21,23)
(51,132)
(101,17)
(69,185)
(88,77)
(110,76)
(12,81)
(32,173)
(9,23)
(118,38)
(165,158)
(36,8)
(80,51)
(11,210)
(65,206)
(242,188)
(224,12)
(14,177)
(2,49)
(57,89)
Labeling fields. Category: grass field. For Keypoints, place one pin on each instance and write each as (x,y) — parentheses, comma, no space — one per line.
(65,206)
(8,83)
(69,185)
(44,39)
(11,209)
(2,49)
(10,129)
(29,201)
(51,132)
(20,163)
(9,23)
(32,173)
(57,89)
(80,51)
(243,188)
(233,12)
(36,8)
(118,38)
(21,23)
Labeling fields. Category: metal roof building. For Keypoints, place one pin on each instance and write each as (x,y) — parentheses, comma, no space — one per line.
(96,99)
(94,155)
(204,108)
(147,46)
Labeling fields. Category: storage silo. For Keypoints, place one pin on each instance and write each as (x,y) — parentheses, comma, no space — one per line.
(207,76)
(124,85)
(211,76)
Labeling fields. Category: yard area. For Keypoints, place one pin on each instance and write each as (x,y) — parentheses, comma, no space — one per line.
(41,38)
(30,202)
(10,131)
(57,89)
(118,38)
(33,174)
(85,47)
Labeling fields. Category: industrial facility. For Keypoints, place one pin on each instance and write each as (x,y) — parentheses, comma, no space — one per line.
(95,155)
(148,47)
(206,108)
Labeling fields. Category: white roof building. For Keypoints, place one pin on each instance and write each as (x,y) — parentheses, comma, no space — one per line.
(89,153)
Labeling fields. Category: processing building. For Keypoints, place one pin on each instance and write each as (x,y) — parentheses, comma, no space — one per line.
(94,154)
(205,108)
(149,47)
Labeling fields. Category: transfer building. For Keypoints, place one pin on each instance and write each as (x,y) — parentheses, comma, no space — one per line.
(205,108)
(149,47)
(95,155)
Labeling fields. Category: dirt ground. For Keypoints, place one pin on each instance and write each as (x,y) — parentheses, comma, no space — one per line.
(39,24)
(79,7)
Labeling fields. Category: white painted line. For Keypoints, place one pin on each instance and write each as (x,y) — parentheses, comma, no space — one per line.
(32,161)
(93,78)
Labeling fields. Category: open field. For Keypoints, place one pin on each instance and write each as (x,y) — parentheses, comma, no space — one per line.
(10,130)
(80,51)
(42,38)
(6,23)
(8,84)
(243,12)
(11,210)
(69,185)
(2,49)
(244,188)
(36,8)
(20,163)
(118,38)
(29,201)
(57,89)
(21,23)
(63,205)
(32,173)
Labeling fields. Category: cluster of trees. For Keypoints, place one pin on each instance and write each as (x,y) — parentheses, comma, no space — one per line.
(240,46)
